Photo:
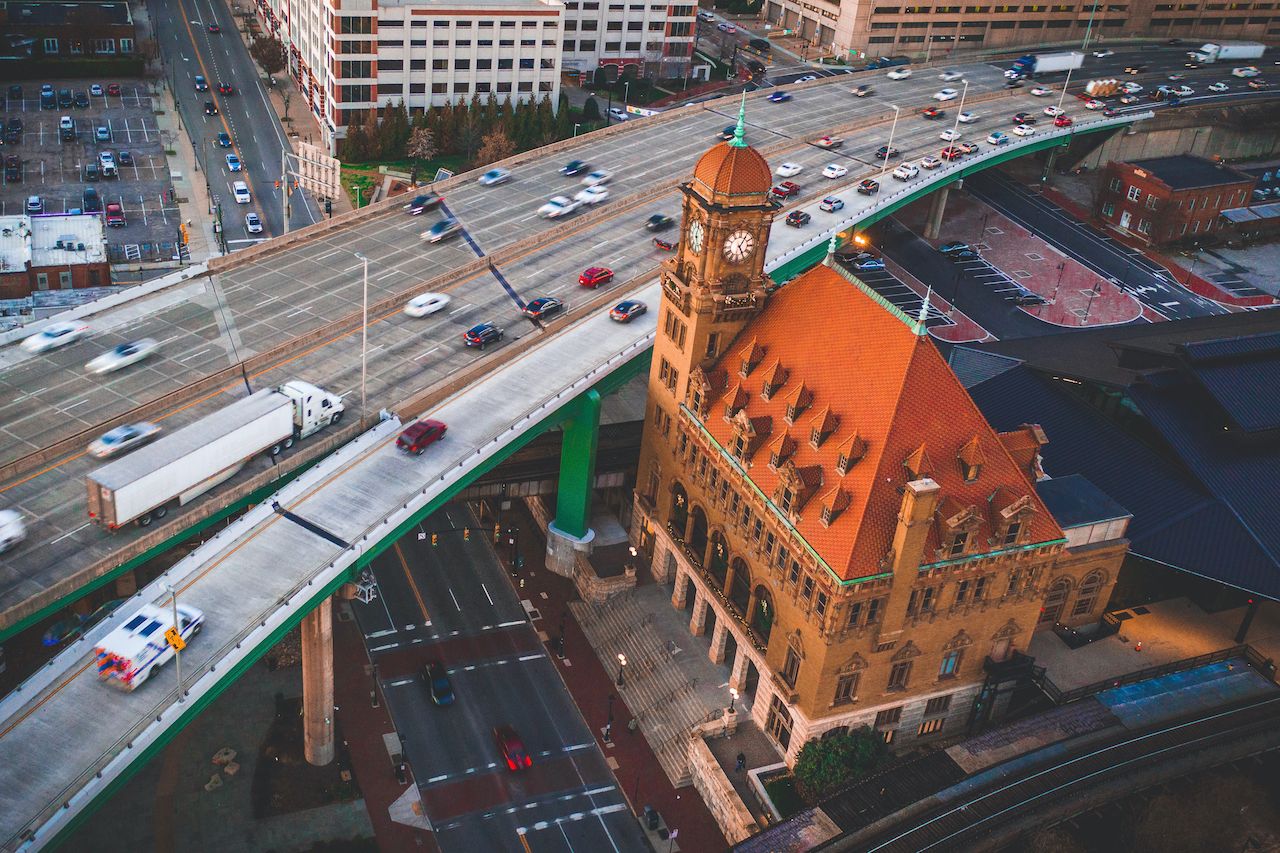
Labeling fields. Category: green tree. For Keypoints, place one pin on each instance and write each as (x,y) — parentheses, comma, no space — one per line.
(564,118)
(591,110)
(268,52)
(825,765)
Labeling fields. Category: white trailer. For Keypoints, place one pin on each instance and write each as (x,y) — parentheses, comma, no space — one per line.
(188,462)
(1227,51)
(132,653)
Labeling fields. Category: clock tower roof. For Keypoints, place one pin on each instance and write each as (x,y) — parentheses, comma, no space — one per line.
(733,172)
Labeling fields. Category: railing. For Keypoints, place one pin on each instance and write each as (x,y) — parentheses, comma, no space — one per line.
(1062,697)
(307,590)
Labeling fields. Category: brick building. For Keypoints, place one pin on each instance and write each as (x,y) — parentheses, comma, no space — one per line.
(828,502)
(55,252)
(1171,199)
(884,28)
(66,29)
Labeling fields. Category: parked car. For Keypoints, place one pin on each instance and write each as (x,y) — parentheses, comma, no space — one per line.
(420,435)
(115,215)
(35,205)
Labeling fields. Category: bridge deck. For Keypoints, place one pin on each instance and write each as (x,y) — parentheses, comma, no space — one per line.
(255,579)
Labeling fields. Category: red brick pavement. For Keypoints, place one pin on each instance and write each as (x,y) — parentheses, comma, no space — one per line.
(362,726)
(639,773)
(1077,295)
(1196,284)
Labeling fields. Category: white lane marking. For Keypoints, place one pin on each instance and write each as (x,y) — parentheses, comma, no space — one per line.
(69,533)
(455,600)
(510,624)
(427,353)
(384,648)
(486,592)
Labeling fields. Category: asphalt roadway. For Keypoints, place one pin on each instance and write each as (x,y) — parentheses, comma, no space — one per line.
(189,49)
(452,602)
(208,323)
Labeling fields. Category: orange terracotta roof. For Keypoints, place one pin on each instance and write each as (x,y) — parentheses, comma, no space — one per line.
(729,171)
(887,393)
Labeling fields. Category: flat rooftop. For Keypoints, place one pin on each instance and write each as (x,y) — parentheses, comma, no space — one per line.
(63,239)
(1184,172)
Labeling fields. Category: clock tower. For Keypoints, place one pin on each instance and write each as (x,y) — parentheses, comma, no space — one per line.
(712,286)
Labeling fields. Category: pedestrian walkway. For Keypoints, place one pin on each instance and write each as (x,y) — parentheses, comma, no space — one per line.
(757,751)
(670,684)
(637,768)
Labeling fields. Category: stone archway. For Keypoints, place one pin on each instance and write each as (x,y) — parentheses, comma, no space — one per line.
(718,559)
(698,534)
(740,589)
(762,615)
(678,518)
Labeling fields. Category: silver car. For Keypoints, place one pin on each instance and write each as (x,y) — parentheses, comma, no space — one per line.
(122,355)
(122,439)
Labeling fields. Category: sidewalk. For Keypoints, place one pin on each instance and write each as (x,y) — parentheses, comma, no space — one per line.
(639,773)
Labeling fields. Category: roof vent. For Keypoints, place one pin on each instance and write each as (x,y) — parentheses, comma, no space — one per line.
(79,247)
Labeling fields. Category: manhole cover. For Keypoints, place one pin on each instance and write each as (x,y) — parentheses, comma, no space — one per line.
(1032,256)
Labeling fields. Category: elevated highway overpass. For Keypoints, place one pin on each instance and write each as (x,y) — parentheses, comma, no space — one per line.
(291,308)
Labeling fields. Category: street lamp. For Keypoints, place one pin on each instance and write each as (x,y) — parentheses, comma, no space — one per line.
(622,668)
(364,336)
(576,125)
(1063,96)
(955,127)
(177,653)
(733,697)
(626,94)
(897,111)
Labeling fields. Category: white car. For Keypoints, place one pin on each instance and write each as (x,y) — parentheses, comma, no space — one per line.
(950,76)
(592,195)
(122,355)
(426,303)
(788,170)
(241,192)
(617,114)
(123,439)
(906,171)
(1184,91)
(557,207)
(831,204)
(899,74)
(1103,54)
(442,230)
(998,137)
(12,529)
(107,158)
(1246,71)
(1219,87)
(1041,92)
(253,223)
(1024,130)
(967,117)
(946,95)
(930,162)
(1054,112)
(493,177)
(807,78)
(597,177)
(949,135)
(54,336)
(834,170)
(1132,88)
(1094,104)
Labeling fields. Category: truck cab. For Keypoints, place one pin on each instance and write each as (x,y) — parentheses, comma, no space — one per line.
(313,407)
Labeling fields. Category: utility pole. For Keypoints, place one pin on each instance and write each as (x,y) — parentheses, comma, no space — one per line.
(177,653)
(284,187)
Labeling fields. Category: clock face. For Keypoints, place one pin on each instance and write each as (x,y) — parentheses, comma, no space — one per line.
(696,234)
(739,246)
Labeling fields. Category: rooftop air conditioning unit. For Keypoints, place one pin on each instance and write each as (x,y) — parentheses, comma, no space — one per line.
(79,247)
(58,245)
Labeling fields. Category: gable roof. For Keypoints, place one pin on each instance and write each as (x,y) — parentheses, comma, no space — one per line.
(884,384)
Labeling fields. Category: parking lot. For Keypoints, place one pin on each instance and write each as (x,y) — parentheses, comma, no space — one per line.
(58,170)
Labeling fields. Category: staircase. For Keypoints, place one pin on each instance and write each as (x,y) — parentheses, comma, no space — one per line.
(662,697)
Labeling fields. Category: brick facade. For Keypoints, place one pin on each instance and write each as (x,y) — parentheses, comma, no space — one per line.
(1171,199)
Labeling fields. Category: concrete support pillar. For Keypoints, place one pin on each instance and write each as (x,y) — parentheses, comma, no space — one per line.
(569,532)
(696,626)
(317,684)
(126,585)
(728,580)
(681,594)
(719,642)
(937,206)
(738,675)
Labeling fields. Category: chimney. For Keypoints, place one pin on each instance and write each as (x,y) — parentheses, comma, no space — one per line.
(919,500)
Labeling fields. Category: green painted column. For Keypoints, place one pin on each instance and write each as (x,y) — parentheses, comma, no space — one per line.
(578,465)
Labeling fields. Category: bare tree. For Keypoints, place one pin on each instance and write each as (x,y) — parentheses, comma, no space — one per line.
(495,146)
(422,144)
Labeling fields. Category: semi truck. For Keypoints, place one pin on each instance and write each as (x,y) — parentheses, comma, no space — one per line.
(188,462)
(1227,51)
(1044,63)
(132,653)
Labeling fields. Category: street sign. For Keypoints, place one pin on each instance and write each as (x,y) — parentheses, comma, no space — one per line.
(173,638)
(317,172)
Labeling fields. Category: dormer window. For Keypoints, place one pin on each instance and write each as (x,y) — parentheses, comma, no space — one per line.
(854,448)
(750,358)
(1011,533)
(740,447)
(774,378)
(842,464)
(787,499)
(695,402)
(834,503)
(971,459)
(820,428)
(959,542)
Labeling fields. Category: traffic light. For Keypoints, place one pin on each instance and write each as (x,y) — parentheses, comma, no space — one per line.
(497,533)
(435,539)
(466,534)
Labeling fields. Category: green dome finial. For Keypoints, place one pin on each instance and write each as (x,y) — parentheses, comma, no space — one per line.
(740,132)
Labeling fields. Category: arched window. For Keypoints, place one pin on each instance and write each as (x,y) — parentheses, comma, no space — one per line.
(698,534)
(740,590)
(1054,601)
(718,560)
(1087,597)
(679,518)
(762,618)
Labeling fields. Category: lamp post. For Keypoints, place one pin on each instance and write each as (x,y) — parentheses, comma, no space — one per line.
(364,336)
(893,128)
(576,125)
(622,668)
(733,697)
(626,94)
(955,126)
(177,653)
(1063,96)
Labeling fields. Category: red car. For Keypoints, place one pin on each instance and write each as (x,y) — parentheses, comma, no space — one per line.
(595,276)
(786,189)
(1063,121)
(933,112)
(512,748)
(113,89)
(951,152)
(420,435)
(115,215)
